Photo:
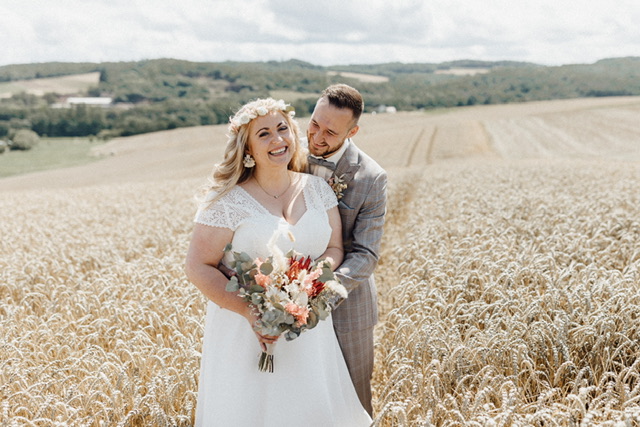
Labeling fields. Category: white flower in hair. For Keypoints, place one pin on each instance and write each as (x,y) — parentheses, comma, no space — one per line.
(244,119)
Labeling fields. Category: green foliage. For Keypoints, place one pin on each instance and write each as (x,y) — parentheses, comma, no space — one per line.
(80,120)
(4,130)
(166,94)
(24,139)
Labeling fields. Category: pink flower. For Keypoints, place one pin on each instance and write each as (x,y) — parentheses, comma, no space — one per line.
(262,280)
(310,279)
(313,276)
(301,314)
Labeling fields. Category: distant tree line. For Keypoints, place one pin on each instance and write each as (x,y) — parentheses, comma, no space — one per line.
(166,94)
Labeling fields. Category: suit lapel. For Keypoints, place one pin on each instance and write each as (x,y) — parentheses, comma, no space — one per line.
(348,164)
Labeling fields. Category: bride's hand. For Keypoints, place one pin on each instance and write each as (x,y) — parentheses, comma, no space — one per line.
(253,318)
(265,339)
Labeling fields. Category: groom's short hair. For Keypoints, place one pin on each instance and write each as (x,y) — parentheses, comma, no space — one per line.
(344,96)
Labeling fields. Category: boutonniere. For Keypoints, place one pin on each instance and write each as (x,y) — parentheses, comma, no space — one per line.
(338,185)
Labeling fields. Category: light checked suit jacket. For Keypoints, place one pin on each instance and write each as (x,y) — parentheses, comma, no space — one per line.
(362,209)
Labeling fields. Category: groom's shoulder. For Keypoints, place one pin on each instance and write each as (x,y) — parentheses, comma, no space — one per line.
(368,163)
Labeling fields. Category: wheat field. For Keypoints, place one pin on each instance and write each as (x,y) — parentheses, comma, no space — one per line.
(509,282)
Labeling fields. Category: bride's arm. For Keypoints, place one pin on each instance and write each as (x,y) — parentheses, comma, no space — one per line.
(203,257)
(334,252)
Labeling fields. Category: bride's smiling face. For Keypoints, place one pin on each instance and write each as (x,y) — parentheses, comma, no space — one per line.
(270,140)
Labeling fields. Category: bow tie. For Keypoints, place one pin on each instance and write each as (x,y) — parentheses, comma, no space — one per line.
(322,162)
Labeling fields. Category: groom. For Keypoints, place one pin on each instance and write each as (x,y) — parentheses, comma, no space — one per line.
(362,204)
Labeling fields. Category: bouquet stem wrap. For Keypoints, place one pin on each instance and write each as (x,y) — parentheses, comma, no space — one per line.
(266,359)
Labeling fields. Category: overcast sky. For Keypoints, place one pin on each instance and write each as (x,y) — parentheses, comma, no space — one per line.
(331,32)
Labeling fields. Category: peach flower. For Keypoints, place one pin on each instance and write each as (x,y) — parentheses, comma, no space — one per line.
(301,314)
(262,280)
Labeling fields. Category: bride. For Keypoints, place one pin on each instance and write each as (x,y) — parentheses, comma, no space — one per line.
(258,192)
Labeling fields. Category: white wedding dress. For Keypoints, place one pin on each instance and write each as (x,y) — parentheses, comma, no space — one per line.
(310,385)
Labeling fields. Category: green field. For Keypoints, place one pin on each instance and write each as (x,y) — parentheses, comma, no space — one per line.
(50,153)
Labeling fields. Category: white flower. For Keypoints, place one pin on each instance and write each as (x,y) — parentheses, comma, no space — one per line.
(336,288)
(301,299)
(244,119)
(280,263)
(275,295)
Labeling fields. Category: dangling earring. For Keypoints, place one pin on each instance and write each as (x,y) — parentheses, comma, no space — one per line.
(248,161)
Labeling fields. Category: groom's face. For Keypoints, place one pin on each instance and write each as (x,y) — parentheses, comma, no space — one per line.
(328,128)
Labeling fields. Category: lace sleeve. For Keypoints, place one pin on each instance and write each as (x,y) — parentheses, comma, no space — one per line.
(224,212)
(324,195)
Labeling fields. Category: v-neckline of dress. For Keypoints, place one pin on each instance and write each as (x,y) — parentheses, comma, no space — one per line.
(268,212)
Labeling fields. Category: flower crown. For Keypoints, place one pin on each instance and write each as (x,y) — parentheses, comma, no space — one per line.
(248,113)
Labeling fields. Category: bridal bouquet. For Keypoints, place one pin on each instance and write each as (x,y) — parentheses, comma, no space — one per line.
(291,293)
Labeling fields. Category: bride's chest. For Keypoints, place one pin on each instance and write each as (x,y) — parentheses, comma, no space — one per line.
(256,234)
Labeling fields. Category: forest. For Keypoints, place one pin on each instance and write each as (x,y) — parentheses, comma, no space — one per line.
(163,94)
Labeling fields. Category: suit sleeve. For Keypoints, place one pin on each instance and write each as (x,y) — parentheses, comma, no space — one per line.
(359,263)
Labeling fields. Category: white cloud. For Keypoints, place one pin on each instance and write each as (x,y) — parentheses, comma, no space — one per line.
(362,21)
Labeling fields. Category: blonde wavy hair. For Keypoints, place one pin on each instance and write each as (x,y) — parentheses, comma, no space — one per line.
(231,171)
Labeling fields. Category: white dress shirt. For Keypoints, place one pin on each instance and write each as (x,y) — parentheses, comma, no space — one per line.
(325,172)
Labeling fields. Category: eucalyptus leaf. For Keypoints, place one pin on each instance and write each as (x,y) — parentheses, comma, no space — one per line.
(256,299)
(312,320)
(290,335)
(275,331)
(289,319)
(322,314)
(266,268)
(269,316)
(326,275)
(244,277)
(232,285)
(256,288)
(247,265)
